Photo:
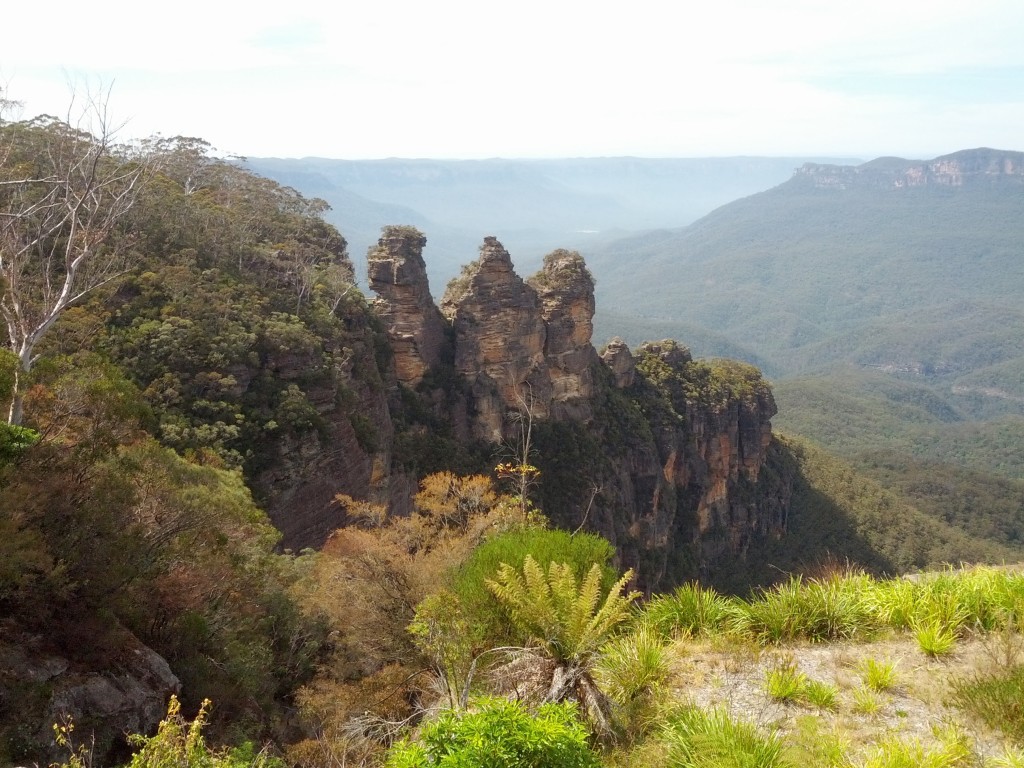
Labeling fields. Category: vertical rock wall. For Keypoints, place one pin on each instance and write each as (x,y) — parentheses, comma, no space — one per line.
(416,328)
(499,341)
(677,445)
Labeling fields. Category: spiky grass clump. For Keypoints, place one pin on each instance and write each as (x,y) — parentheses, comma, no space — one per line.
(1010,758)
(997,699)
(934,637)
(830,608)
(811,743)
(785,682)
(697,738)
(952,750)
(866,701)
(820,694)
(632,669)
(690,611)
(879,676)
(846,606)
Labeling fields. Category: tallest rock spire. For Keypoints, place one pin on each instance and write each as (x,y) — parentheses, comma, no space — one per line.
(499,340)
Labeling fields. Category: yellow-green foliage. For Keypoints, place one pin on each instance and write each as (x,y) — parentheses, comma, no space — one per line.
(878,675)
(785,682)
(938,607)
(469,580)
(500,734)
(632,669)
(697,738)
(952,750)
(558,611)
(179,743)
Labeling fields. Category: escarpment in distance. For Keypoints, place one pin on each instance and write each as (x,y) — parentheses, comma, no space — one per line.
(662,454)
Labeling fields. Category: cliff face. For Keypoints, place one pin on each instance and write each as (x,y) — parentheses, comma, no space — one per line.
(971,166)
(347,439)
(674,471)
(349,452)
(660,453)
(127,694)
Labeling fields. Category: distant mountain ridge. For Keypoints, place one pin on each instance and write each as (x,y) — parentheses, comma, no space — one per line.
(533,206)
(842,263)
(968,166)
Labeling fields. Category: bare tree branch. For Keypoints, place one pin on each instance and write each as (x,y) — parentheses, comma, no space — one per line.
(66,188)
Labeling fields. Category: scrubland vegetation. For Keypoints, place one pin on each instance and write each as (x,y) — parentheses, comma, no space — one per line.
(584,680)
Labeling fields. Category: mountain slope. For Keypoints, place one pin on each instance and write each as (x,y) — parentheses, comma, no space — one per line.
(830,251)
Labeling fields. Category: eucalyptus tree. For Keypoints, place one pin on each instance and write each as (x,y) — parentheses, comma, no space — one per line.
(66,188)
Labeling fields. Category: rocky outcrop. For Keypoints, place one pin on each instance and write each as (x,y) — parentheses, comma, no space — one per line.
(967,167)
(124,694)
(565,289)
(677,446)
(499,338)
(347,452)
(414,325)
(619,360)
(685,493)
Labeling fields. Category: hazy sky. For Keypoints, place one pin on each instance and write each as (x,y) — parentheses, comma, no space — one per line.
(536,78)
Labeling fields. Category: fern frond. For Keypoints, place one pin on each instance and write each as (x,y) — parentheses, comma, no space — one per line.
(583,608)
(557,611)
(615,610)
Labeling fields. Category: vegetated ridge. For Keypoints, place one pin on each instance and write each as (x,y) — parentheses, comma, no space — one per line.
(535,205)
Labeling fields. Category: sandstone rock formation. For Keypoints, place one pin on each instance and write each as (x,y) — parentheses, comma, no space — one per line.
(684,493)
(565,289)
(415,327)
(677,446)
(619,360)
(128,696)
(349,452)
(499,341)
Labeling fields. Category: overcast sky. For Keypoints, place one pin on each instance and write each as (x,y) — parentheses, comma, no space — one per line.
(536,78)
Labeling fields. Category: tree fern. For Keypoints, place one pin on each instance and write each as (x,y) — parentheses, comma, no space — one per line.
(567,618)
(559,612)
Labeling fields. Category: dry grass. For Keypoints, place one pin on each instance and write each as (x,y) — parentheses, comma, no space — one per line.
(731,674)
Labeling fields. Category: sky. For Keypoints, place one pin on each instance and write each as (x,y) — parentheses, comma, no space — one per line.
(533,78)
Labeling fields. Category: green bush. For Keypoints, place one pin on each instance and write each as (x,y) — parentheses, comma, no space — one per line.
(499,734)
(14,440)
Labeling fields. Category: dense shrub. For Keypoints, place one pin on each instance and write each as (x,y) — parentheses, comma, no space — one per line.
(500,734)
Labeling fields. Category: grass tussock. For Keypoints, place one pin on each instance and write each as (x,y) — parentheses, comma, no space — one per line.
(996,698)
(878,675)
(952,749)
(939,609)
(698,738)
